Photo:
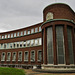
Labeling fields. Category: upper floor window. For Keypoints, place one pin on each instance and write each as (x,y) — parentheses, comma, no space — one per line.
(25,32)
(32,30)
(18,33)
(28,32)
(40,41)
(24,43)
(28,42)
(26,56)
(36,29)
(21,33)
(32,42)
(36,41)
(14,34)
(2,36)
(5,36)
(8,35)
(39,29)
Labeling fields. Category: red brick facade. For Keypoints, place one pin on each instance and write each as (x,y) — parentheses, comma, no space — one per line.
(64,16)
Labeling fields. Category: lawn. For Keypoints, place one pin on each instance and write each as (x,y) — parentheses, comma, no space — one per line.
(11,71)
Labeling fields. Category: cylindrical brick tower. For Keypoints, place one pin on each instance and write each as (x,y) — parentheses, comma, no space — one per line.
(58,32)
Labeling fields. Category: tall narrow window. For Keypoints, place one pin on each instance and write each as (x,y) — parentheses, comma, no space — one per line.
(5,36)
(18,33)
(8,35)
(36,42)
(21,33)
(39,56)
(14,34)
(70,46)
(17,44)
(60,44)
(28,43)
(25,32)
(39,29)
(26,56)
(40,41)
(14,56)
(50,45)
(20,56)
(8,56)
(36,29)
(32,56)
(3,56)
(28,32)
(24,44)
(21,44)
(32,42)
(32,30)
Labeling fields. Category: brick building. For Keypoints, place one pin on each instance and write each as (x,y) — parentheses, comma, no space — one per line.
(48,44)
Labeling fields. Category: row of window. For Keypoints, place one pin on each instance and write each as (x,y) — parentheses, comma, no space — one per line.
(26,56)
(21,44)
(22,33)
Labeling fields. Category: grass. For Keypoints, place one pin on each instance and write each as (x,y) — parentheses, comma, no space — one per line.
(11,71)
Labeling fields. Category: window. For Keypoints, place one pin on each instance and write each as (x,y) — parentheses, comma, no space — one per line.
(14,56)
(14,44)
(40,41)
(60,44)
(5,36)
(32,56)
(32,42)
(21,33)
(26,56)
(8,35)
(39,29)
(70,45)
(28,42)
(28,32)
(2,36)
(39,55)
(36,42)
(21,43)
(50,45)
(4,45)
(18,33)
(3,56)
(24,44)
(32,30)
(20,56)
(17,44)
(36,30)
(24,32)
(11,45)
(14,34)
(8,56)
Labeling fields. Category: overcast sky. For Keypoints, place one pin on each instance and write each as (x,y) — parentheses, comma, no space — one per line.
(15,14)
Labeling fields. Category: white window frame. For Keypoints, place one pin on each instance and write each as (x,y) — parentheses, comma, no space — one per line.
(21,56)
(38,56)
(32,60)
(32,30)
(25,32)
(8,59)
(24,56)
(36,29)
(2,56)
(15,56)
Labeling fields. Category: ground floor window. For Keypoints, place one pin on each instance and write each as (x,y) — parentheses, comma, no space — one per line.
(8,56)
(32,56)
(19,56)
(26,56)
(39,55)
(60,44)
(70,46)
(3,56)
(14,56)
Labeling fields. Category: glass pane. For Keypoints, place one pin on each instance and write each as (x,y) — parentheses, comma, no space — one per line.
(60,44)
(50,45)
